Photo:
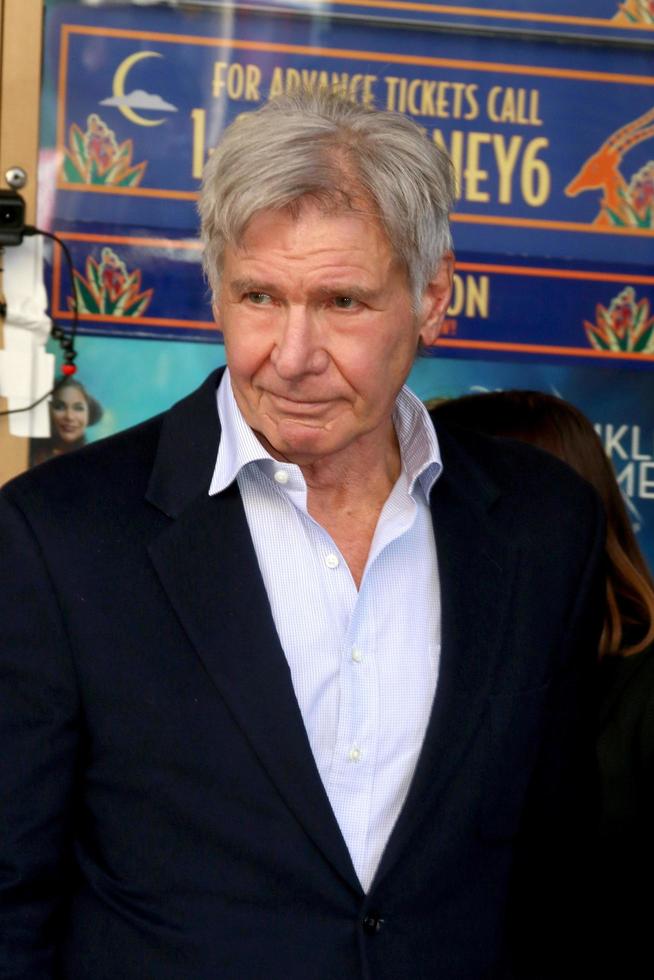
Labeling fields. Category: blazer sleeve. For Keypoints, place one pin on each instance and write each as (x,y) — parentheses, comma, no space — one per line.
(550,913)
(39,726)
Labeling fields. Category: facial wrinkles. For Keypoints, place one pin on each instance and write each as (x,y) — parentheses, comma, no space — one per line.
(294,248)
(313,376)
(303,296)
(335,270)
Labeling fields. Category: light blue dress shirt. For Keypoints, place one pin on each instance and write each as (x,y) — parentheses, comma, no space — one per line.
(364,663)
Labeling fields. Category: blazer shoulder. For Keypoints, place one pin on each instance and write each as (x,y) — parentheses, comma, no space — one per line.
(124,459)
(535,485)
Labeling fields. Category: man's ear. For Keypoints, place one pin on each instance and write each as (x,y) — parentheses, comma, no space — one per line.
(216,312)
(436,300)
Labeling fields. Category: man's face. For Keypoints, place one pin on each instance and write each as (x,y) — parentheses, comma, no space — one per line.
(319,331)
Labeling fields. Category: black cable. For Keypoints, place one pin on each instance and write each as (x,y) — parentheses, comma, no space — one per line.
(28,408)
(65,341)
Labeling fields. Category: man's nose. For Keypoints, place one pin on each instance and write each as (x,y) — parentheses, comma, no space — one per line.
(299,349)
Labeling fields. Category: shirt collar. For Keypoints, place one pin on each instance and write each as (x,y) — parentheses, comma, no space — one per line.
(421,458)
(238,444)
(421,455)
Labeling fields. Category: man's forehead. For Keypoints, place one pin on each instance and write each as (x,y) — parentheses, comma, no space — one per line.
(315,208)
(355,255)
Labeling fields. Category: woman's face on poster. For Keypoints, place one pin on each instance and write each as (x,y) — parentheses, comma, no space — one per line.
(70,414)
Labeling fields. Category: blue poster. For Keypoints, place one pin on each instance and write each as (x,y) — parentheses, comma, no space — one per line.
(590,18)
(554,226)
(139,106)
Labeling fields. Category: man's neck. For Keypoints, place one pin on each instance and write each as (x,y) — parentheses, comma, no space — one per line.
(347,500)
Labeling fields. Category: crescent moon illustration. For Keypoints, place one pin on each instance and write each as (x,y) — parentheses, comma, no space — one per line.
(119,87)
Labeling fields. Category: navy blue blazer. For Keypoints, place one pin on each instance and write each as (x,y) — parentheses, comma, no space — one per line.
(162,814)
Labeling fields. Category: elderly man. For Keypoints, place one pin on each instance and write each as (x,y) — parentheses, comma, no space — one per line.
(293,688)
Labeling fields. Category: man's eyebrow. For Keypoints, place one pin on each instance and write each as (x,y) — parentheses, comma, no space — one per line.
(327,290)
(248,285)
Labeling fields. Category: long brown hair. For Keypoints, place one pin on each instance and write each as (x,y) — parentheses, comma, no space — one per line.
(561,429)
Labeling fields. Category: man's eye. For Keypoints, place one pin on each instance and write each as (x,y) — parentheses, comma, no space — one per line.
(259,299)
(344,302)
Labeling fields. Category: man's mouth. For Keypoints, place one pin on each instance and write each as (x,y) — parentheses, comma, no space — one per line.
(298,406)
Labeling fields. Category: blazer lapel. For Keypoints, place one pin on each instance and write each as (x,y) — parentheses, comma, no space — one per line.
(208,567)
(476,566)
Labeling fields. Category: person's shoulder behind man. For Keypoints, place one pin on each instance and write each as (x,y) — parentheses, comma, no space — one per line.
(543,489)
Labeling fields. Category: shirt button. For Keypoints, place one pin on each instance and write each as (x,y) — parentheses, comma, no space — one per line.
(372,924)
(354,754)
(357,655)
(331,561)
(281,476)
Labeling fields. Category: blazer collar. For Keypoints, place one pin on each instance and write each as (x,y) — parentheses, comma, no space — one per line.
(187,450)
(207,565)
(477,568)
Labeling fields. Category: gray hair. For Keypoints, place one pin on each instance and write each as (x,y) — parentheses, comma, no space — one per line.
(320,146)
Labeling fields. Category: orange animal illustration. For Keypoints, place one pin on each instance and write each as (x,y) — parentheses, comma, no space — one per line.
(622,203)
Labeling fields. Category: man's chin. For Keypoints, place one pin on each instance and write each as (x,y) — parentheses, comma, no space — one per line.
(298,441)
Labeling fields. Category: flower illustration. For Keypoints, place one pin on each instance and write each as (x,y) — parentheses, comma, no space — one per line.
(108,288)
(625,326)
(95,157)
(641,191)
(639,12)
